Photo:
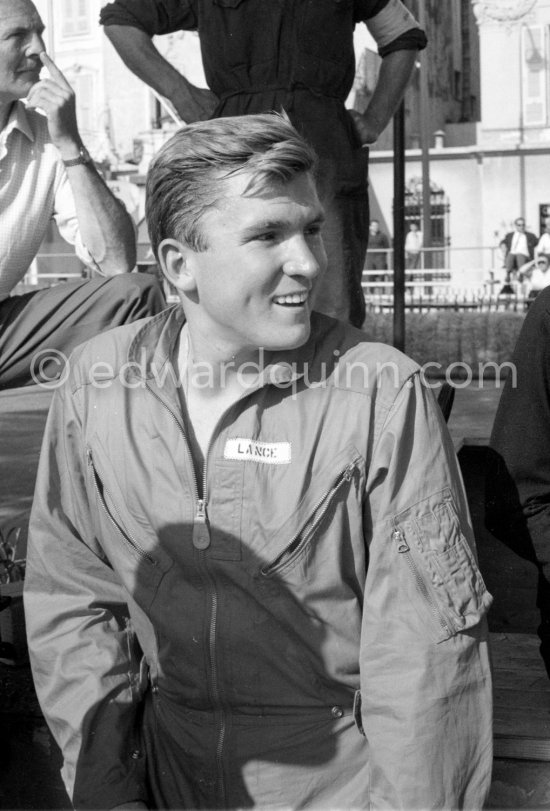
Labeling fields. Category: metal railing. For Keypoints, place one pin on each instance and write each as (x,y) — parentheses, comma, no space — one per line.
(467,256)
(460,285)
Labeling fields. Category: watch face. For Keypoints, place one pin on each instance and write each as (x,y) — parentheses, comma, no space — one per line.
(85,155)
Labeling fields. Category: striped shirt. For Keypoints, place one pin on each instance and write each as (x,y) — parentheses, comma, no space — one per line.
(34,187)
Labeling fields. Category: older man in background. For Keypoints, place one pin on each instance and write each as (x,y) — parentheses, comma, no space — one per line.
(47,173)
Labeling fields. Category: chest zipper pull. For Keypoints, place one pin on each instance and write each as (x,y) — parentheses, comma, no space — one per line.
(201,533)
(399,538)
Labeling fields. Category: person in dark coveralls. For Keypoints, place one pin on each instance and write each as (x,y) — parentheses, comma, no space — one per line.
(517,499)
(295,55)
(251,579)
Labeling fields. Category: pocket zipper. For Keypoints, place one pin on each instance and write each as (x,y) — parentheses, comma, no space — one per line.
(304,533)
(129,540)
(403,548)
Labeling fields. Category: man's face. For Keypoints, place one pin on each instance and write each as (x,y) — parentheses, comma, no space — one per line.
(21,43)
(255,281)
(520,225)
(374,227)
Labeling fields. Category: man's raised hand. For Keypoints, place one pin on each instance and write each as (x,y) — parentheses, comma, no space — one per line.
(55,96)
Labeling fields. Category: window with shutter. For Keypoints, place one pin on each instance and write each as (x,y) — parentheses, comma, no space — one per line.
(76,18)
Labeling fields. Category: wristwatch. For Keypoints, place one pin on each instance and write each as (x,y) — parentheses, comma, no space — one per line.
(83,157)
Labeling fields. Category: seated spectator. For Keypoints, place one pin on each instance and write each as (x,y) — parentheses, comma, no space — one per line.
(535,275)
(47,173)
(520,246)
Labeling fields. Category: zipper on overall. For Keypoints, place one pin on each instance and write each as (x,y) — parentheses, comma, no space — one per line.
(201,533)
(404,549)
(319,511)
(201,542)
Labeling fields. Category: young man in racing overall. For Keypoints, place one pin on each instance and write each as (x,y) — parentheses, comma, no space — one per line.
(251,571)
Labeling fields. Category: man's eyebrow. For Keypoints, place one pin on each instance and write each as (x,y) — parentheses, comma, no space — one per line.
(20,28)
(275,225)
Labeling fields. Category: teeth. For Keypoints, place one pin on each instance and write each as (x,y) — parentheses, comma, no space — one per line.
(295,298)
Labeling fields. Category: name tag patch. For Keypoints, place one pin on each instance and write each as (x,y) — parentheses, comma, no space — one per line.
(267,453)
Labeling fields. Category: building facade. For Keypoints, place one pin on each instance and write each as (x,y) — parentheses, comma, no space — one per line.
(495,169)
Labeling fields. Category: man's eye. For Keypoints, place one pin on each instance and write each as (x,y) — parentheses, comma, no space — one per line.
(268,236)
(314,230)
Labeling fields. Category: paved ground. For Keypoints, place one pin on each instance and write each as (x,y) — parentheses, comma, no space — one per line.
(29,761)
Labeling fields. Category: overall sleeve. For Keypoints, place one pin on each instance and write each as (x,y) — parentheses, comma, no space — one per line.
(85,661)
(425,676)
(151,16)
(518,470)
(391,25)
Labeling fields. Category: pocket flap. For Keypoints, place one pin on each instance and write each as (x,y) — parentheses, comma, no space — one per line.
(440,557)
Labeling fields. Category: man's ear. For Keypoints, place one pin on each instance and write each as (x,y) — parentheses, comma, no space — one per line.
(173,258)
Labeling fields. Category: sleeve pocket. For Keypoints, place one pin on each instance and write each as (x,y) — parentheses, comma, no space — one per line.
(429,540)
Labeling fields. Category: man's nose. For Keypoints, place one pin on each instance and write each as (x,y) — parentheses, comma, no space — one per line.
(35,44)
(301,261)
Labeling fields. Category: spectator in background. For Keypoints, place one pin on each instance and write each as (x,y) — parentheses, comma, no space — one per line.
(543,245)
(377,254)
(47,173)
(297,56)
(413,246)
(535,275)
(520,248)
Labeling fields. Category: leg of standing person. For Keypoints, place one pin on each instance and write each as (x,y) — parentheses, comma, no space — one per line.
(543,604)
(509,265)
(345,236)
(332,296)
(39,330)
(412,261)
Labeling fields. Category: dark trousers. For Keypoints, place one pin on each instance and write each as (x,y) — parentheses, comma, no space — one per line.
(513,262)
(543,604)
(39,330)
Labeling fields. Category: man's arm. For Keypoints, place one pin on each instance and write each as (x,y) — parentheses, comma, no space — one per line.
(131,25)
(395,72)
(105,226)
(139,54)
(425,675)
(399,39)
(85,660)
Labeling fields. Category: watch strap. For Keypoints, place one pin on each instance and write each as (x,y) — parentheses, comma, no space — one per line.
(83,157)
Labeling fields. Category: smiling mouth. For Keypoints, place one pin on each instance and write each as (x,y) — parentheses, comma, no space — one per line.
(294,300)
